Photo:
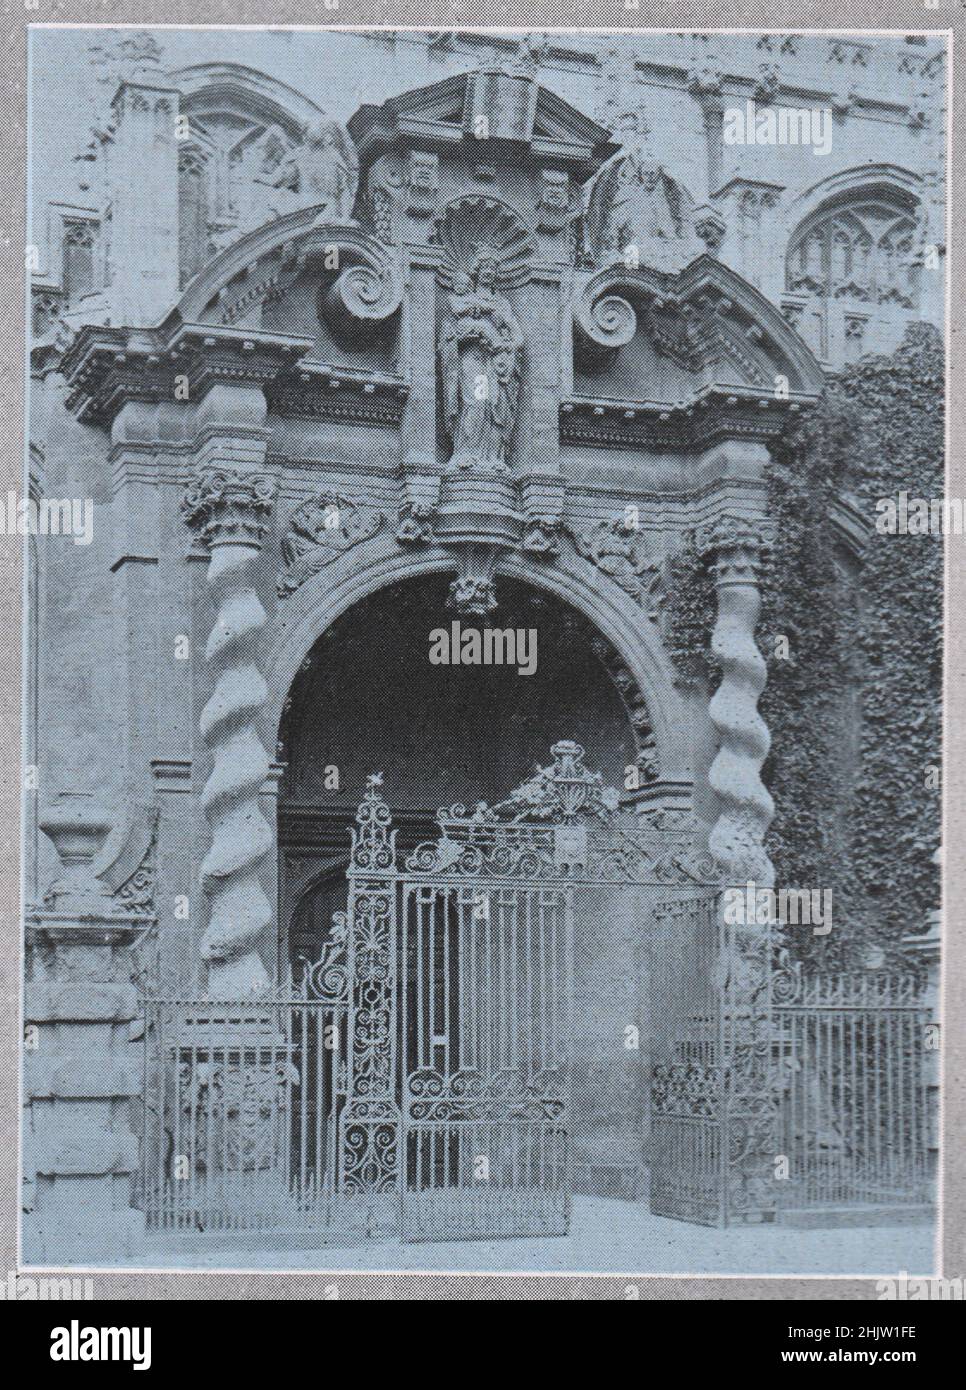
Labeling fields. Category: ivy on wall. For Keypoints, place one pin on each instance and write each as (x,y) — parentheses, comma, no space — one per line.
(853,699)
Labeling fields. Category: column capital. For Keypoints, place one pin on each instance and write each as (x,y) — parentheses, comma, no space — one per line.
(229,506)
(736,548)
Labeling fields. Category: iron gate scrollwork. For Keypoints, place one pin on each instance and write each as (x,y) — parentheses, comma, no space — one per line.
(416,1079)
(461,969)
(369,1172)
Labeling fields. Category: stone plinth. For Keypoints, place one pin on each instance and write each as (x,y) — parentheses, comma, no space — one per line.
(79,1074)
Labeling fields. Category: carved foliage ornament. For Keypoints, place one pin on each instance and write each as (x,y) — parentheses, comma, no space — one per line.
(622,553)
(229,505)
(320,530)
(415,523)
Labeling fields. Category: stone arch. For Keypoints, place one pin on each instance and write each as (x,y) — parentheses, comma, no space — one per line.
(613,613)
(889,179)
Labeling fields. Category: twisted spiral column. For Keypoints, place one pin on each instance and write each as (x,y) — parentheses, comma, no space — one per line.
(737,838)
(745,1085)
(230,506)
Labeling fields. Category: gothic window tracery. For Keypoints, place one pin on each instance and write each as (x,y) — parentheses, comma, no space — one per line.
(852,274)
(861,251)
(46,309)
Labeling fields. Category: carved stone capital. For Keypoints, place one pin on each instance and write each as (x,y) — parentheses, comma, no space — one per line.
(705,78)
(736,548)
(769,77)
(229,506)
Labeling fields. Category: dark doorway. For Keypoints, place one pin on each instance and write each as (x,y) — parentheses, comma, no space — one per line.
(368,700)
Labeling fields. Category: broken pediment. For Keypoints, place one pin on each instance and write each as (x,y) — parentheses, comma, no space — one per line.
(659,342)
(501,103)
(494,132)
(307,276)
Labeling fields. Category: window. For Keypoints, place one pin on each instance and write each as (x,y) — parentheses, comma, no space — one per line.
(78,253)
(861,252)
(852,277)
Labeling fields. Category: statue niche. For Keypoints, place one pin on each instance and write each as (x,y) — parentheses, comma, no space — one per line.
(480,350)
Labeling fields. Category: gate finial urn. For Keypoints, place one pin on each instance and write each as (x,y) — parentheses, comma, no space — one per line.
(77,826)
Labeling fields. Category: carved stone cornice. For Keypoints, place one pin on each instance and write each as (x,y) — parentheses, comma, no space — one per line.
(229,506)
(706,318)
(516,109)
(106,367)
(716,414)
(317,391)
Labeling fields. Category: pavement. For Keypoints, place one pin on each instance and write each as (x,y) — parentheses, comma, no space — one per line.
(610,1236)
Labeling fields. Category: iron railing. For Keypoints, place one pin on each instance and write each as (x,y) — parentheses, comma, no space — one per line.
(241,1110)
(851,1083)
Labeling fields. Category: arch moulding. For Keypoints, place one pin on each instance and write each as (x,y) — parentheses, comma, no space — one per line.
(303,618)
(892,179)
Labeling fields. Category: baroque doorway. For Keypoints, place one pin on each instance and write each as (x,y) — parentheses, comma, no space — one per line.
(367,698)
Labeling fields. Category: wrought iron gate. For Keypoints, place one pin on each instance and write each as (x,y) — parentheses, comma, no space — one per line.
(416,1081)
(485,991)
(460,962)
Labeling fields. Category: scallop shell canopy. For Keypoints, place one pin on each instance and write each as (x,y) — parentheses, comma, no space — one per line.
(476,224)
